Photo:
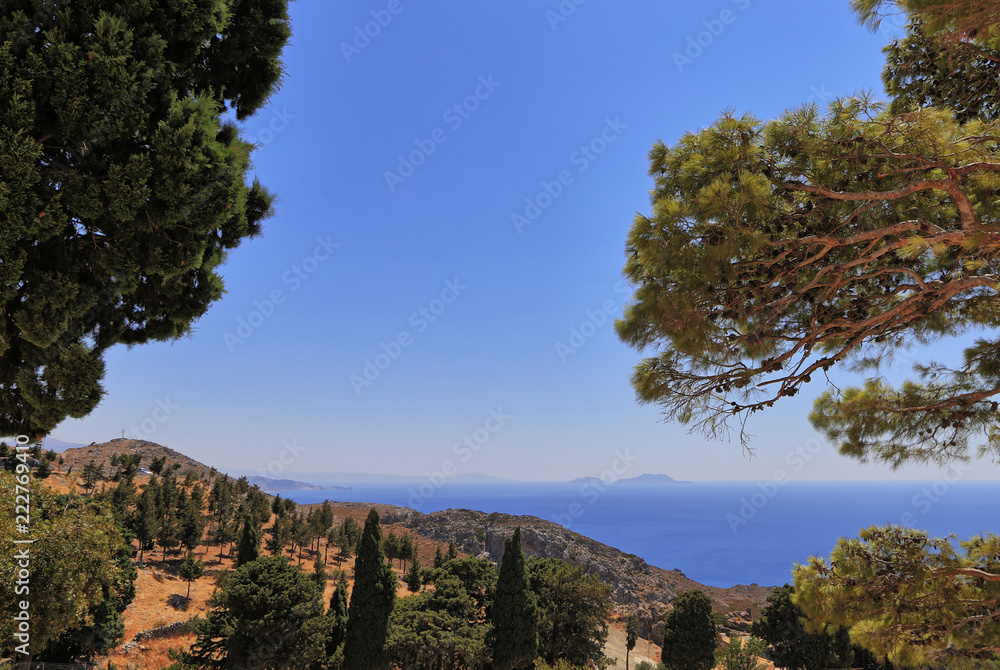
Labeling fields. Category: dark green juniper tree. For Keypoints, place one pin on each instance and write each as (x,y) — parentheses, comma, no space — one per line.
(777,250)
(689,638)
(249,547)
(372,600)
(515,613)
(781,624)
(266,614)
(121,188)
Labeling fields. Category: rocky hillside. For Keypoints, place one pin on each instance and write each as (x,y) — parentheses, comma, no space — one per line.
(102,453)
(637,586)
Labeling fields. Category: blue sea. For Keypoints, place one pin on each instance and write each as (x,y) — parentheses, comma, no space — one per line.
(719,534)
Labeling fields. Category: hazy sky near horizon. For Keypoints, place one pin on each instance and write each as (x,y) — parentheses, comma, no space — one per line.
(439,283)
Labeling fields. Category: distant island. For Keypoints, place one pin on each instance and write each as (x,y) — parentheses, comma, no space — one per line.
(269,485)
(642,480)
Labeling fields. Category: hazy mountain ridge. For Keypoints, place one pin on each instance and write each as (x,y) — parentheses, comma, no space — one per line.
(645,479)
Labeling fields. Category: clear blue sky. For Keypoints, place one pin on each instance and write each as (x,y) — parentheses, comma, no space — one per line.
(400,160)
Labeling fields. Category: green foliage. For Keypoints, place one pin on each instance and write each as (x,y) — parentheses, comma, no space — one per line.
(372,601)
(348,537)
(631,636)
(91,473)
(575,611)
(249,547)
(441,628)
(190,570)
(906,596)
(780,624)
(478,576)
(515,613)
(739,656)
(319,572)
(123,188)
(689,639)
(81,575)
(337,618)
(157,464)
(266,614)
(778,250)
(414,580)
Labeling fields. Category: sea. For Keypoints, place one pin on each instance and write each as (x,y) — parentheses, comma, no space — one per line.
(716,533)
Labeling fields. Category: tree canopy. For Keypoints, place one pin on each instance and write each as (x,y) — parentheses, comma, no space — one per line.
(267,614)
(81,575)
(122,188)
(776,250)
(779,250)
(689,637)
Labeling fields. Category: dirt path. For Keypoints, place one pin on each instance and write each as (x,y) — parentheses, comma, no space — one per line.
(615,648)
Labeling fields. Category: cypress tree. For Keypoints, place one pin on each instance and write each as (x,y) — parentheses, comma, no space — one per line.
(514,641)
(337,615)
(249,549)
(689,639)
(631,636)
(413,579)
(371,602)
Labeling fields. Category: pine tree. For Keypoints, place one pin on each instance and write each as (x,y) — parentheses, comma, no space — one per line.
(453,551)
(372,601)
(124,184)
(414,581)
(147,522)
(91,475)
(249,548)
(689,638)
(438,558)
(514,641)
(190,570)
(319,572)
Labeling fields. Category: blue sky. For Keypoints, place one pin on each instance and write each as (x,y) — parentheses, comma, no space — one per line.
(438,285)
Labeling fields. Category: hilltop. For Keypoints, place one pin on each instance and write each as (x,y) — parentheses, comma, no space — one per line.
(101,454)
